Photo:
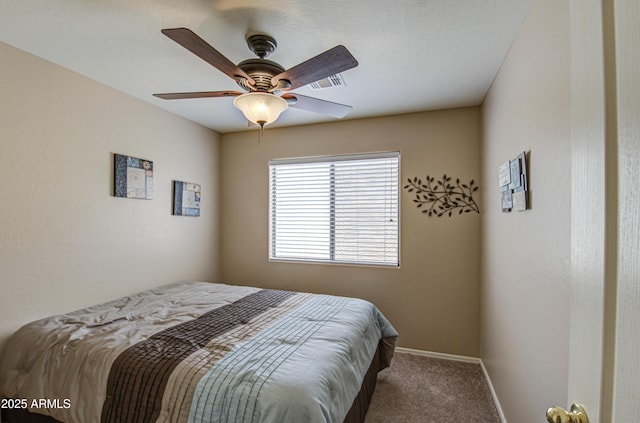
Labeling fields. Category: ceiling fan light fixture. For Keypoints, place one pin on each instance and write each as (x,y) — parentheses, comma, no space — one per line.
(260,108)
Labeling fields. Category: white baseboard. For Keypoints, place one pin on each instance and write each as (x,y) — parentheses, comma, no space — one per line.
(439,355)
(496,401)
(465,359)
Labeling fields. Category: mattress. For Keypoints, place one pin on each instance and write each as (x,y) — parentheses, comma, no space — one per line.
(198,352)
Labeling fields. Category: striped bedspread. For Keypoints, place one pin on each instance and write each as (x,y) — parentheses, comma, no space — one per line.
(199,352)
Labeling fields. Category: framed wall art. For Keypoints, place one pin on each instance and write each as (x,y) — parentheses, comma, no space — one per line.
(186,198)
(514,183)
(133,177)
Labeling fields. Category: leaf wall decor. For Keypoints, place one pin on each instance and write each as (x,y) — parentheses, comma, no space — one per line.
(443,197)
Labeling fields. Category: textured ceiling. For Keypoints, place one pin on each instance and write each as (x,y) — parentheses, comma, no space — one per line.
(413,55)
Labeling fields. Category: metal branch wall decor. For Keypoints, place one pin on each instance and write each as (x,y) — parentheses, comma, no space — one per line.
(440,197)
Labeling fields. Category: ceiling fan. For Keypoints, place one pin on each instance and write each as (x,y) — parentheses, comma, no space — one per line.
(266,84)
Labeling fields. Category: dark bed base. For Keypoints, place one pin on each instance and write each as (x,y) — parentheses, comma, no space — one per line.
(360,405)
(356,413)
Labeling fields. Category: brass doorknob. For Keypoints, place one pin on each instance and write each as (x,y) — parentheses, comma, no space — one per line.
(576,414)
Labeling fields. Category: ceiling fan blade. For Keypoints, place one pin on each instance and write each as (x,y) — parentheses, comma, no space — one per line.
(335,60)
(316,105)
(196,45)
(201,94)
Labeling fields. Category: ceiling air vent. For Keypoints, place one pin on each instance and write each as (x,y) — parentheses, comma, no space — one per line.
(328,82)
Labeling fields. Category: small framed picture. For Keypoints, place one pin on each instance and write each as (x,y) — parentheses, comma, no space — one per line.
(133,177)
(507,199)
(186,199)
(504,174)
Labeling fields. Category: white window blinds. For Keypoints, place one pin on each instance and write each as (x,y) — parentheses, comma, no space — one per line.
(339,209)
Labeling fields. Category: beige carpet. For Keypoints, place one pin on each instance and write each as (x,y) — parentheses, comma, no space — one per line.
(430,390)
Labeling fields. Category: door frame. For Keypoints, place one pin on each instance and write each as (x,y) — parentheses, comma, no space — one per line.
(591,268)
(605,241)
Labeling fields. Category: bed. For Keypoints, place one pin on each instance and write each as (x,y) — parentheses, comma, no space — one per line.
(199,352)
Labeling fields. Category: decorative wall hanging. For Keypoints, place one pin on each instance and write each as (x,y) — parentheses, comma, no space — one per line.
(513,180)
(442,197)
(133,177)
(186,199)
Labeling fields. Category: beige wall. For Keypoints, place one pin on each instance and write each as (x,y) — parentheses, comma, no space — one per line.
(65,241)
(432,299)
(526,268)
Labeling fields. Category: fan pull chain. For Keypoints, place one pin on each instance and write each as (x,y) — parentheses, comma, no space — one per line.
(261,130)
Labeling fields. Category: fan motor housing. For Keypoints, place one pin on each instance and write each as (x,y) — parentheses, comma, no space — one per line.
(261,71)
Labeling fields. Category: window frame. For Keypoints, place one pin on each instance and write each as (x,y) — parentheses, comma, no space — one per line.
(334,159)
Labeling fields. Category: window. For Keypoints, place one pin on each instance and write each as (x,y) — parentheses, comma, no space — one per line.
(339,209)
